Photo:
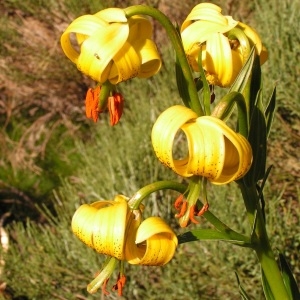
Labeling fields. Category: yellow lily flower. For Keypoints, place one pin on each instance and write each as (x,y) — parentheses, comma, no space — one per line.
(112,228)
(214,150)
(111,47)
(205,29)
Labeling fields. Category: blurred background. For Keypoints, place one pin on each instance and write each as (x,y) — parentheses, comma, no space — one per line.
(52,159)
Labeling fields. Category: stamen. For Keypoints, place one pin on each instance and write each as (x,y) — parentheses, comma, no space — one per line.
(192,214)
(91,103)
(203,209)
(212,93)
(120,284)
(178,202)
(182,210)
(104,291)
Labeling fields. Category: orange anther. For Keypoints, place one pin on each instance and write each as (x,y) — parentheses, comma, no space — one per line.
(91,103)
(120,284)
(115,107)
(182,210)
(203,209)
(178,202)
(104,291)
(192,215)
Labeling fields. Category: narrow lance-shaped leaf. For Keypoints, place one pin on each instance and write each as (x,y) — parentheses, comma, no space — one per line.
(181,84)
(270,111)
(267,290)
(212,234)
(241,289)
(258,140)
(260,189)
(242,79)
(206,90)
(255,87)
(288,278)
(225,107)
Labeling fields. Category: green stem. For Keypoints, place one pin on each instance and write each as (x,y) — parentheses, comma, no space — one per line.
(238,34)
(261,243)
(224,109)
(175,39)
(144,192)
(105,91)
(195,186)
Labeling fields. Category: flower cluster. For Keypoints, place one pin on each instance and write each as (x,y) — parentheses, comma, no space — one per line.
(115,45)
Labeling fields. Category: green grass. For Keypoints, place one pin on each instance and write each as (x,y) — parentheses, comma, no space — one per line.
(53,160)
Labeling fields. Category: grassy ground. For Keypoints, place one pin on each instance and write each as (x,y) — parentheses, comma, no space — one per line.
(53,159)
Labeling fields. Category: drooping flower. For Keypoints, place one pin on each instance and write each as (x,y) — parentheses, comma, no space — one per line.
(108,46)
(206,29)
(112,228)
(215,151)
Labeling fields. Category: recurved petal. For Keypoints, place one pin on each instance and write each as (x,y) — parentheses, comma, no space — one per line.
(140,28)
(157,243)
(163,134)
(263,57)
(98,50)
(112,15)
(83,222)
(149,57)
(126,64)
(109,229)
(238,152)
(206,149)
(218,60)
(132,252)
(237,63)
(82,27)
(245,153)
(252,36)
(199,32)
(209,12)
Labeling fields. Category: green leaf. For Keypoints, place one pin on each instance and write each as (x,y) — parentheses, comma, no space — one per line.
(256,87)
(258,140)
(260,189)
(199,84)
(266,287)
(288,278)
(241,289)
(270,111)
(212,234)
(182,84)
(242,79)
(225,107)
(206,90)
